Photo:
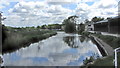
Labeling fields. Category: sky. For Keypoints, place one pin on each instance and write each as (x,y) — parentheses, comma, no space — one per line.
(22,13)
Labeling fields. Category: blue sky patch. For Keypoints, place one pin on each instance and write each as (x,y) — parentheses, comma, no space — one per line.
(90,3)
(7,7)
(71,6)
(38,59)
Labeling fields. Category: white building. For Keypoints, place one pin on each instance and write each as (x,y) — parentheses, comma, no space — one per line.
(89,27)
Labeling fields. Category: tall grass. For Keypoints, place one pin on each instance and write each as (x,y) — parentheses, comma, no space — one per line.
(23,38)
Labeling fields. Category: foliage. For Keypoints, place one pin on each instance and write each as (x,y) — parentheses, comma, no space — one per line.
(70,24)
(54,26)
(87,21)
(81,28)
(50,26)
(96,19)
(87,61)
(43,26)
(108,61)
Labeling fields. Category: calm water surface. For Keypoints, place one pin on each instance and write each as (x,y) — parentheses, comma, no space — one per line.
(60,50)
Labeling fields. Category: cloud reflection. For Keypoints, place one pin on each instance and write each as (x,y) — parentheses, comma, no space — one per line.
(53,52)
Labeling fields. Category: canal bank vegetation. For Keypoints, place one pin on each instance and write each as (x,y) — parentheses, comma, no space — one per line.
(113,41)
(107,61)
(15,38)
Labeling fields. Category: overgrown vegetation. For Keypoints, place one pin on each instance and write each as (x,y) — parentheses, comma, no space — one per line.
(15,38)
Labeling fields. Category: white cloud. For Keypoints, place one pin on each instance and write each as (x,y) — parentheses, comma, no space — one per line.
(67,1)
(101,8)
(33,13)
(61,1)
(37,13)
(3,3)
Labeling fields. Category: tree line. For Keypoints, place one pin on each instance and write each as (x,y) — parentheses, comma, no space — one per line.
(70,25)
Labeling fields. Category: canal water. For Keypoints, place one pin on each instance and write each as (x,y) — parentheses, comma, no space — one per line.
(60,50)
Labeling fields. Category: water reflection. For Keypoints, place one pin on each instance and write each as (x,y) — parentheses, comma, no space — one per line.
(82,39)
(60,50)
(70,40)
(75,41)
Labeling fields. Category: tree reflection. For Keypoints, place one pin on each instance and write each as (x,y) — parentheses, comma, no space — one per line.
(82,39)
(70,40)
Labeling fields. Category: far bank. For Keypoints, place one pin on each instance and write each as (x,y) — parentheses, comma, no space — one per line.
(15,38)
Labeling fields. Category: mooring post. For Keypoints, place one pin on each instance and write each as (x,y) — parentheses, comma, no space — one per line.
(115,61)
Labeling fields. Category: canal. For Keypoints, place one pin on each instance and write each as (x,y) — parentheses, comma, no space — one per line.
(60,50)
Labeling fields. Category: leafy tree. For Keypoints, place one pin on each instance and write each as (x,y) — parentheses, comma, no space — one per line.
(109,18)
(87,21)
(38,26)
(70,24)
(96,19)
(81,27)
(43,26)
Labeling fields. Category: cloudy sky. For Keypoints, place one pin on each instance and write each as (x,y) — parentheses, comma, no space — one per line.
(21,13)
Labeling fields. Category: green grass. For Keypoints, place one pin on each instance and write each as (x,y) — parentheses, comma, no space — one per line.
(104,61)
(114,42)
(107,61)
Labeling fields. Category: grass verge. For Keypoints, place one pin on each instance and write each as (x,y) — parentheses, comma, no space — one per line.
(114,42)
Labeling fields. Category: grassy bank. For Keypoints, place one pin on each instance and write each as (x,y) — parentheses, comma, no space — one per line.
(114,42)
(15,38)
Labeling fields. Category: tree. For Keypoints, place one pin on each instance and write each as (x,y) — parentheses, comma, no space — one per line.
(1,17)
(70,24)
(96,19)
(38,26)
(43,26)
(87,21)
(81,28)
(2,28)
(109,18)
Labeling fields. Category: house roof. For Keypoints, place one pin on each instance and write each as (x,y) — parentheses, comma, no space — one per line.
(101,21)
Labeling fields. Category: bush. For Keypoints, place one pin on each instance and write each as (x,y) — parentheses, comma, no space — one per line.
(87,61)
(85,33)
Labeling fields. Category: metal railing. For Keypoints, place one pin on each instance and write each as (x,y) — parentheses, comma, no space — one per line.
(115,59)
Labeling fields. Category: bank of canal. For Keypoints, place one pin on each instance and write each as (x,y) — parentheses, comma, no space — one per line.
(60,50)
